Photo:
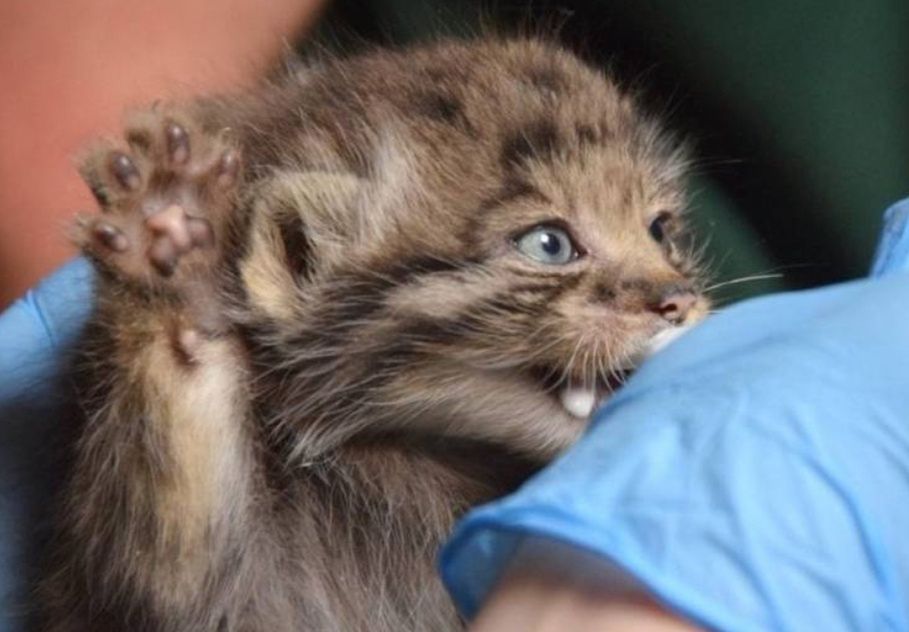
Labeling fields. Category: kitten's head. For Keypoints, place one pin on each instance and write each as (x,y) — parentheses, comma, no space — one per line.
(515,237)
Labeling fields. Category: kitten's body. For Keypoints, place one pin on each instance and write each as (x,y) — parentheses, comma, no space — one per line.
(302,370)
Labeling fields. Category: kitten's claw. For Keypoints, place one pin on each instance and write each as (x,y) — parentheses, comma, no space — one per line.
(110,236)
(177,144)
(124,170)
(228,168)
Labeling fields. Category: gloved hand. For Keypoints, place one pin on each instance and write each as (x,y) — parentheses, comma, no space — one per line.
(753,476)
(36,336)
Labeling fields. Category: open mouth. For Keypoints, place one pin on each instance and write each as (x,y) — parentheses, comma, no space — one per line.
(580,398)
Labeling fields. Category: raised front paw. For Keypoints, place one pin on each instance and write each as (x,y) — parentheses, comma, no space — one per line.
(165,197)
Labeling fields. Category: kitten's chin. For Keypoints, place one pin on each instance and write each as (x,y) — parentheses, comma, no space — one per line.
(507,408)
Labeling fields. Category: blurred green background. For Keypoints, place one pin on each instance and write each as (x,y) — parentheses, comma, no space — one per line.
(797,110)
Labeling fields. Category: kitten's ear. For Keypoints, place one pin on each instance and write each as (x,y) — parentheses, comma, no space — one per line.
(298,226)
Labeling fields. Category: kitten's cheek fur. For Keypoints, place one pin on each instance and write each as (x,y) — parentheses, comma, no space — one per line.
(489,406)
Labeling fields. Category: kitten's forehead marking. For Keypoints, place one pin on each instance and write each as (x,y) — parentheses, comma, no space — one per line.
(537,141)
(605,192)
(605,168)
(443,107)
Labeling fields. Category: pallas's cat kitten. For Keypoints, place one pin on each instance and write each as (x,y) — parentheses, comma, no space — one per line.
(334,313)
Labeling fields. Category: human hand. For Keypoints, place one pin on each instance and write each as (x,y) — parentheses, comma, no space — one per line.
(36,334)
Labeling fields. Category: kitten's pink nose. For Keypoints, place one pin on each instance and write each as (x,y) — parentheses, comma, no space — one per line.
(675,305)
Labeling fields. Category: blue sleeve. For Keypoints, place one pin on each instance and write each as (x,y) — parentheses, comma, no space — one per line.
(36,333)
(753,476)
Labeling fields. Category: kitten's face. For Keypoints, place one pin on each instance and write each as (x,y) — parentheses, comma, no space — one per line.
(571,271)
(591,250)
(522,240)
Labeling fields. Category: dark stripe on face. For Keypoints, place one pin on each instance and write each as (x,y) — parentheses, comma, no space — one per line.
(539,274)
(480,316)
(532,287)
(509,302)
(350,300)
(358,296)
(412,340)
(405,271)
(568,283)
(421,330)
(549,291)
(539,141)
(604,292)
(514,189)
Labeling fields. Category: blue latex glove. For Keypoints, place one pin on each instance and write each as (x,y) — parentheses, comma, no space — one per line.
(35,335)
(754,476)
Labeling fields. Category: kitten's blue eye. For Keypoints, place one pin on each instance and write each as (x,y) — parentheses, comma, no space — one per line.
(547,244)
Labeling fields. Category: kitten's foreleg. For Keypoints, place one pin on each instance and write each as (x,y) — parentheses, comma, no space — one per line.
(159,505)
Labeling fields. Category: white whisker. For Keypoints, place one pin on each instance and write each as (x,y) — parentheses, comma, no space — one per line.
(745,279)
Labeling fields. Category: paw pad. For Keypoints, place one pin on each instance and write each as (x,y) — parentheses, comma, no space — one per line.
(166,201)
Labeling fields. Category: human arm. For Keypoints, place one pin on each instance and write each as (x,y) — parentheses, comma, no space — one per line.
(550,586)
